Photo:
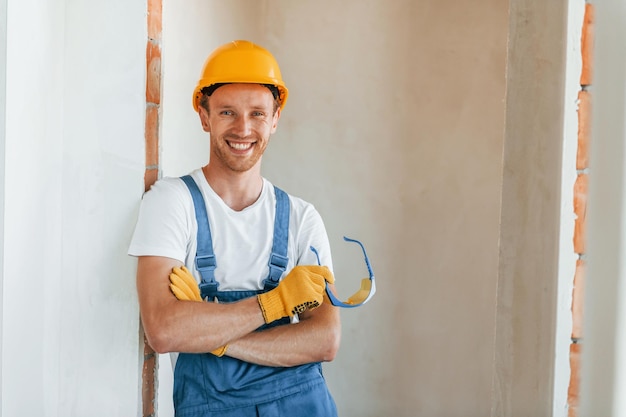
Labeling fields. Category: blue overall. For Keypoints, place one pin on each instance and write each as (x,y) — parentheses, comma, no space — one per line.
(206,385)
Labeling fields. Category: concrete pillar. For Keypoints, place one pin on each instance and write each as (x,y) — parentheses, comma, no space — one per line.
(530,217)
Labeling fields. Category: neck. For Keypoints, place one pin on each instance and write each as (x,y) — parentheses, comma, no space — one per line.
(237,189)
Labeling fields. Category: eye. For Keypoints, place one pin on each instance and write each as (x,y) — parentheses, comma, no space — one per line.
(227,113)
(258,114)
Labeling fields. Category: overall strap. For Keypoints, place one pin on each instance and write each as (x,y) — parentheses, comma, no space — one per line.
(205,258)
(278,258)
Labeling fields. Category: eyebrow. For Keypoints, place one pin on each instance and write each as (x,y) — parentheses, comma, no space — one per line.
(233,107)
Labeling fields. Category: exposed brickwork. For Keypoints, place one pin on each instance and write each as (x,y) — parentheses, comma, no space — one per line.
(155,27)
(577,301)
(150,177)
(153,79)
(581,188)
(574,381)
(153,102)
(580,207)
(584,129)
(148,377)
(152,135)
(587,42)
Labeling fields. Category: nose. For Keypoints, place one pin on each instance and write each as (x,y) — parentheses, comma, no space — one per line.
(242,126)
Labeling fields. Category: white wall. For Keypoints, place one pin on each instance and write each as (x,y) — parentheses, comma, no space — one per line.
(72,180)
(394,130)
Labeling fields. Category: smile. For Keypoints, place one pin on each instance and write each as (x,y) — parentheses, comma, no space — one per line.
(240,146)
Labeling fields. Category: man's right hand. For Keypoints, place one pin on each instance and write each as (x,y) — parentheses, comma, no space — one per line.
(301,290)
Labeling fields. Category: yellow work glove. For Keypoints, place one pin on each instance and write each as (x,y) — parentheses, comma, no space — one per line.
(185,287)
(301,290)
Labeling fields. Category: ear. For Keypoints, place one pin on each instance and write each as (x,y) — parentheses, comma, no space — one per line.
(204,119)
(275,121)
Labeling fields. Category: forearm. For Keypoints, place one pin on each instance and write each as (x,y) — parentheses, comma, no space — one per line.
(315,338)
(195,327)
(172,325)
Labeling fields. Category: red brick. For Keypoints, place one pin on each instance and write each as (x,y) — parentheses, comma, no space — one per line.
(155,25)
(578,295)
(587,42)
(152,136)
(153,100)
(580,209)
(573,391)
(584,129)
(153,75)
(149,372)
(150,177)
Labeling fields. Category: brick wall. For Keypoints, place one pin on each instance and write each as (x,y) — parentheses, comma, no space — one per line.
(153,117)
(580,207)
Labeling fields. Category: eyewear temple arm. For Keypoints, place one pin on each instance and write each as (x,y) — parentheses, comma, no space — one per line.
(365,292)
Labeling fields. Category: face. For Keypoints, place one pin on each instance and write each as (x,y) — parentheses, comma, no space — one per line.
(240,120)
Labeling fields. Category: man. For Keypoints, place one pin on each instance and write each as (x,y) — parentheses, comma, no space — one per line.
(254,343)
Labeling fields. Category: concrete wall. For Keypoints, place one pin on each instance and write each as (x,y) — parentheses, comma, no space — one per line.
(71,181)
(398,128)
(394,130)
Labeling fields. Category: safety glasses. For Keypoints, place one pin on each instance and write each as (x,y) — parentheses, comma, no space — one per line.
(368,285)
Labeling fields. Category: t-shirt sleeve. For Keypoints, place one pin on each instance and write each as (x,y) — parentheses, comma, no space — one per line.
(163,223)
(312,232)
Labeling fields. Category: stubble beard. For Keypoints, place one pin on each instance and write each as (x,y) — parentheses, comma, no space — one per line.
(238,163)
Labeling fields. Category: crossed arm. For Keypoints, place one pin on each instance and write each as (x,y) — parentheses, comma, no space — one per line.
(172,325)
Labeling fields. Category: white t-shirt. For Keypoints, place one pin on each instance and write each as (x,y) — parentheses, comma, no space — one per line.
(242,240)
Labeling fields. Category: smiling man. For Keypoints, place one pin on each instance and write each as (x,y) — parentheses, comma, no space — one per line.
(226,279)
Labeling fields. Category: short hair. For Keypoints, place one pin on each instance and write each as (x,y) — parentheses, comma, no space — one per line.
(207,91)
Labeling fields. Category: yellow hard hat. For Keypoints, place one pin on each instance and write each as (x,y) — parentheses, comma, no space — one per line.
(240,62)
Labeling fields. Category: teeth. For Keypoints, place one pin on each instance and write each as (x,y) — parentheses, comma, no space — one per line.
(240,146)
